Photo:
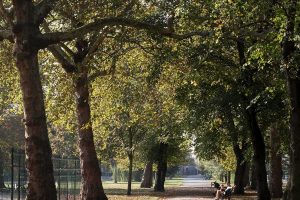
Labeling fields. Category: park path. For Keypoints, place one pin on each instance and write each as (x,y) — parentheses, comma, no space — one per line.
(192,184)
(195,181)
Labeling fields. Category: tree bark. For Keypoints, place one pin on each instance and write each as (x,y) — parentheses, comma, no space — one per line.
(37,147)
(259,156)
(147,180)
(253,183)
(115,172)
(246,175)
(294,88)
(275,164)
(240,170)
(161,168)
(91,187)
(130,157)
(239,154)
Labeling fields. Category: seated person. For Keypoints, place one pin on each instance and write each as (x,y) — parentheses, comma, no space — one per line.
(224,192)
(228,192)
(220,192)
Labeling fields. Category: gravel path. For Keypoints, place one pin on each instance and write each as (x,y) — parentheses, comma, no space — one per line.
(196,188)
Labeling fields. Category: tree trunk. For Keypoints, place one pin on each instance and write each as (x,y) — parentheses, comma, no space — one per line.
(161,168)
(115,172)
(240,170)
(292,65)
(37,147)
(238,152)
(2,185)
(147,180)
(275,164)
(246,175)
(228,177)
(130,157)
(294,92)
(91,187)
(259,156)
(253,183)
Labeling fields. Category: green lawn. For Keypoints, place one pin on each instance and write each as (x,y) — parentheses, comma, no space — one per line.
(118,190)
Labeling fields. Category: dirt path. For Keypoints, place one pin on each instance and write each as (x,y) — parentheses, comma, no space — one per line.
(196,188)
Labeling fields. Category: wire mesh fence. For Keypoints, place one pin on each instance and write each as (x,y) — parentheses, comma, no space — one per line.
(13,176)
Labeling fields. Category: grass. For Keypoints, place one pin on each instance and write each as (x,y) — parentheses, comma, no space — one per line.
(118,190)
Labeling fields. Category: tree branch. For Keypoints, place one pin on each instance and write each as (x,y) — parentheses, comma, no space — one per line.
(95,43)
(43,9)
(53,38)
(98,74)
(61,57)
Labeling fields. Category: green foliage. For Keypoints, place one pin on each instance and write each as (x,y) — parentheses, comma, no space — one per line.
(159,90)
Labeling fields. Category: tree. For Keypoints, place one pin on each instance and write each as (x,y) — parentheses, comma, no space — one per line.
(290,62)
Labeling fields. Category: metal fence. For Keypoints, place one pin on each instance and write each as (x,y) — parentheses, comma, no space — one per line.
(66,173)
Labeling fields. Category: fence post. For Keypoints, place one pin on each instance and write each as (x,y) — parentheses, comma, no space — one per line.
(59,177)
(19,176)
(12,175)
(75,172)
(67,174)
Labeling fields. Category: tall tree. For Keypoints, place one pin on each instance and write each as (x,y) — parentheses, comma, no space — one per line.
(290,62)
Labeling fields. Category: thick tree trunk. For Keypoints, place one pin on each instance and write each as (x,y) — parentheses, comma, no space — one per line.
(292,65)
(275,164)
(247,174)
(164,172)
(38,151)
(161,168)
(259,156)
(294,87)
(253,182)
(147,180)
(91,187)
(2,185)
(37,146)
(240,170)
